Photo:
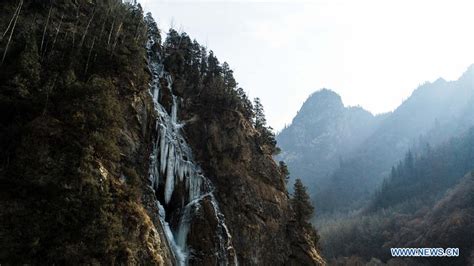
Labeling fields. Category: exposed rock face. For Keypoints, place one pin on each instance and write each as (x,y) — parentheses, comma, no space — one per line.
(137,142)
(75,140)
(250,190)
(78,141)
(240,202)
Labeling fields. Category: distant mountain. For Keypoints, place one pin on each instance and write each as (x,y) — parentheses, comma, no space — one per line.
(428,201)
(343,153)
(449,223)
(424,176)
(322,133)
(432,114)
(461,106)
(446,222)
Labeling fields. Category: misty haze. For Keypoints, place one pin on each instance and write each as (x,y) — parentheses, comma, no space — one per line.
(236,132)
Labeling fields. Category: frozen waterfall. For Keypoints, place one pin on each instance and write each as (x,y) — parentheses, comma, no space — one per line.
(171,165)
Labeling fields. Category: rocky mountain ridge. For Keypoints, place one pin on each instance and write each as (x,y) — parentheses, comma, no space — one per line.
(121,153)
(432,114)
(322,134)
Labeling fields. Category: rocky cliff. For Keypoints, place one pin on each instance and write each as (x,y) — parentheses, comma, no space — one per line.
(120,148)
(250,189)
(76,121)
(239,175)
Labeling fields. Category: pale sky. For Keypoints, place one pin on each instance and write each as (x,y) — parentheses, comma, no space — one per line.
(374,53)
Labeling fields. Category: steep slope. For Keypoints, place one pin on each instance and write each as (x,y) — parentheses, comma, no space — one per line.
(450,223)
(462,119)
(424,176)
(433,113)
(446,222)
(194,225)
(75,136)
(231,152)
(426,202)
(323,133)
(114,152)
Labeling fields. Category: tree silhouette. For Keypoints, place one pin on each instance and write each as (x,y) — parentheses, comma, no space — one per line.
(301,203)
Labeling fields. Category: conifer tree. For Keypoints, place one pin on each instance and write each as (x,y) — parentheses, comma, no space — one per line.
(267,137)
(246,104)
(409,160)
(260,121)
(284,170)
(213,64)
(301,203)
(228,76)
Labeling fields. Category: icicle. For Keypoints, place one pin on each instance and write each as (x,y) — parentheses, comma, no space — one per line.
(156,93)
(171,164)
(156,171)
(163,149)
(169,186)
(152,175)
(194,187)
(170,83)
(181,168)
(174,111)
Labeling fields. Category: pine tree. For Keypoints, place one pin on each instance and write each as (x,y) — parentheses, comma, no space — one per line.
(267,137)
(247,108)
(228,76)
(284,171)
(213,64)
(304,210)
(409,160)
(301,203)
(260,121)
(204,66)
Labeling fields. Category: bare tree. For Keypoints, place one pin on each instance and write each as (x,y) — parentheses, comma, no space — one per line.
(11,33)
(89,56)
(57,32)
(119,30)
(46,27)
(12,19)
(110,33)
(75,26)
(87,28)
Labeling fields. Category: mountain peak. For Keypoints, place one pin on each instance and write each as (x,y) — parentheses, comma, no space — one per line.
(323,98)
(325,93)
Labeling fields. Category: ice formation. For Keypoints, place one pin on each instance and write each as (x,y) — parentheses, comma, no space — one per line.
(172,164)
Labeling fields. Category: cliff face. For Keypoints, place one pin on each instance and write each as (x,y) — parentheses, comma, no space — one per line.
(239,212)
(112,154)
(75,131)
(249,185)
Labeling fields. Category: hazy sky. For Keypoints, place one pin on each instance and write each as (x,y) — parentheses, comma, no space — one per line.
(373,53)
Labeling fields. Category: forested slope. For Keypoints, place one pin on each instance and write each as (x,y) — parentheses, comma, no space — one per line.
(427,201)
